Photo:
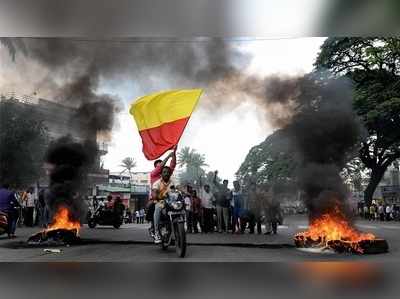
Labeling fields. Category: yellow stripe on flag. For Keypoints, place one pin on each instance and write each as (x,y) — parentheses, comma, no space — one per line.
(153,110)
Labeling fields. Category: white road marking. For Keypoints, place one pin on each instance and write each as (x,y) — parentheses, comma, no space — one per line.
(302,226)
(367,226)
(134,225)
(283,226)
(391,227)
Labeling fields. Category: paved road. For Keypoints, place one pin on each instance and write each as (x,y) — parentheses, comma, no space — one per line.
(131,243)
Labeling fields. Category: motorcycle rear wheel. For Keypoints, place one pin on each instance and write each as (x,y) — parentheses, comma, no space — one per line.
(180,239)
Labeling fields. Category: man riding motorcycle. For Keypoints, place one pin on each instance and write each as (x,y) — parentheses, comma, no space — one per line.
(160,191)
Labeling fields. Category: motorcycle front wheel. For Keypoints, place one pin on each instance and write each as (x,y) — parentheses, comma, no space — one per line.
(180,239)
(92,223)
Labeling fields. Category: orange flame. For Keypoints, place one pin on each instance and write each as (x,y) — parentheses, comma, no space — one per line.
(62,220)
(334,227)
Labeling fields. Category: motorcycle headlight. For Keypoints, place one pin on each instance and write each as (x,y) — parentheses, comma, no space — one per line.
(177,205)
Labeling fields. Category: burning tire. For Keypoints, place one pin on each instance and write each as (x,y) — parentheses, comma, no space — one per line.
(333,231)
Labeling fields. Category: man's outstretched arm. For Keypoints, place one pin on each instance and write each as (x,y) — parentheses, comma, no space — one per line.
(157,171)
(215,178)
(172,165)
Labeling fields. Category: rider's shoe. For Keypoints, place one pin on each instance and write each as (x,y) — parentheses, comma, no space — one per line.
(151,232)
(157,238)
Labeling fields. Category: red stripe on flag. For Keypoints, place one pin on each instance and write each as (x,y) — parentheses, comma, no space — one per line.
(156,141)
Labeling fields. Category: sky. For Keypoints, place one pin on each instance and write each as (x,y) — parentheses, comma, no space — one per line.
(224,139)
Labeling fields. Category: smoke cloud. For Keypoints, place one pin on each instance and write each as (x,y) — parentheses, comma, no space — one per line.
(323,133)
(70,162)
(316,115)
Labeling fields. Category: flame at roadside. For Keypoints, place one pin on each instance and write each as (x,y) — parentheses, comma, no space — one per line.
(62,220)
(332,227)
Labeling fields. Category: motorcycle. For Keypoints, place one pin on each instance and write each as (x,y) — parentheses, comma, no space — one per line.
(103,216)
(3,223)
(172,226)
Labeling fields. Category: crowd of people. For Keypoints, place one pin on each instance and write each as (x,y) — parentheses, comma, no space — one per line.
(22,208)
(213,208)
(222,210)
(380,212)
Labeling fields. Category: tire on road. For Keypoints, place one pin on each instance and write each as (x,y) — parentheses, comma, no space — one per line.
(180,239)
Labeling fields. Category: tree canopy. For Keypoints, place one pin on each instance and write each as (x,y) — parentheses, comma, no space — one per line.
(373,64)
(270,161)
(23,140)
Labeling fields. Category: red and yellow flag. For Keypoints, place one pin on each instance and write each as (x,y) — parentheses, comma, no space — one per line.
(162,117)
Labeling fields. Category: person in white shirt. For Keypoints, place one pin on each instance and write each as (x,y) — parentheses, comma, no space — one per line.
(30,207)
(207,200)
(137,216)
(188,208)
(388,212)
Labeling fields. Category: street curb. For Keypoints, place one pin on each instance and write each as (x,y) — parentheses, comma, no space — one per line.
(85,242)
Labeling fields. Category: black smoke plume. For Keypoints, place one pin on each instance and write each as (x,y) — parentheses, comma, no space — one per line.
(70,163)
(324,132)
(315,113)
(76,70)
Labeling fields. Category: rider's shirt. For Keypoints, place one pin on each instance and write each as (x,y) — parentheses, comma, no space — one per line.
(162,187)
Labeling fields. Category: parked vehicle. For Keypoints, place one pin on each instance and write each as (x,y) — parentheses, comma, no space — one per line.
(3,223)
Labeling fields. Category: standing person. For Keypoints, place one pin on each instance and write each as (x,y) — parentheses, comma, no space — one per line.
(237,200)
(196,208)
(256,205)
(41,209)
(30,207)
(20,217)
(222,200)
(372,212)
(273,213)
(9,205)
(141,215)
(388,212)
(381,212)
(137,216)
(207,200)
(366,212)
(189,208)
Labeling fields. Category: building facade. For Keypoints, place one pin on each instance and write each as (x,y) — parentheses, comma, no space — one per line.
(57,120)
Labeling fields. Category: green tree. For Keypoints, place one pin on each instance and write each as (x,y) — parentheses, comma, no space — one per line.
(23,140)
(353,173)
(373,64)
(194,164)
(269,162)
